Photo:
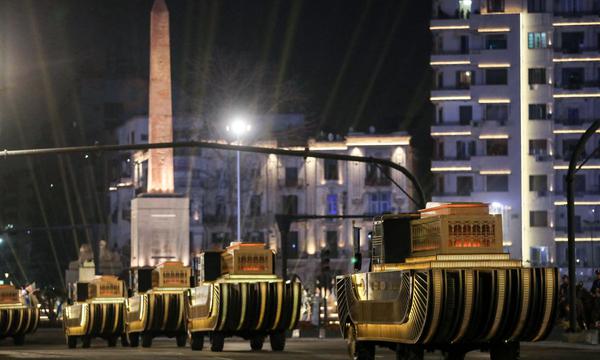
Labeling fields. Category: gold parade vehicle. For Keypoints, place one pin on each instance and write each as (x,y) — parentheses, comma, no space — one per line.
(19,315)
(158,306)
(97,310)
(439,280)
(238,294)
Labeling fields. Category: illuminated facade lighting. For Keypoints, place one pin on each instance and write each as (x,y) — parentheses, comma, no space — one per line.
(570,131)
(579,95)
(576,23)
(495,172)
(377,141)
(562,239)
(493,29)
(580,59)
(578,203)
(493,65)
(452,133)
(494,101)
(449,27)
(451,168)
(493,136)
(451,98)
(450,62)
(584,167)
(328,148)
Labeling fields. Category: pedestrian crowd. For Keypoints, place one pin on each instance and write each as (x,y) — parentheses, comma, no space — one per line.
(587,303)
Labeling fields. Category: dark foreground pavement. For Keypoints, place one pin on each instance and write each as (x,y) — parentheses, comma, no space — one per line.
(49,344)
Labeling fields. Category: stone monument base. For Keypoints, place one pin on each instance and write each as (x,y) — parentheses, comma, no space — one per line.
(160,229)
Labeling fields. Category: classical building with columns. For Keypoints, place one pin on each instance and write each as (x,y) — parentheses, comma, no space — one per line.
(272,185)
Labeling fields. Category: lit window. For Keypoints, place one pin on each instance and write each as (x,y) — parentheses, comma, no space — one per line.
(537,40)
(332,204)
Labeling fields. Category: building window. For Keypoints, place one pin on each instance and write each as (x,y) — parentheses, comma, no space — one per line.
(377,176)
(496,183)
(496,76)
(290,204)
(537,76)
(538,218)
(568,147)
(538,183)
(465,114)
(380,202)
(494,6)
(538,147)
(537,112)
(496,147)
(463,79)
(255,205)
(331,238)
(464,185)
(536,6)
(291,176)
(538,256)
(331,169)
(572,42)
(537,40)
(220,207)
(572,77)
(292,245)
(496,112)
(332,204)
(495,42)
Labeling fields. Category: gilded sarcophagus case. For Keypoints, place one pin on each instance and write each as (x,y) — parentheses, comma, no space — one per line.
(97,310)
(447,284)
(19,314)
(157,306)
(238,294)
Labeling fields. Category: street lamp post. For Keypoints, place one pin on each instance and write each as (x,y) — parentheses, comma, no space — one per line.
(238,127)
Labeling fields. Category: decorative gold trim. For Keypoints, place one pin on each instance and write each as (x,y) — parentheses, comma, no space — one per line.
(525,286)
(500,277)
(244,287)
(296,295)
(263,304)
(468,309)
(224,298)
(549,294)
(437,304)
(279,305)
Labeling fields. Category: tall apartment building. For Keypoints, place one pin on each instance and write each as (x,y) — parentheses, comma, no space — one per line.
(516,84)
(273,185)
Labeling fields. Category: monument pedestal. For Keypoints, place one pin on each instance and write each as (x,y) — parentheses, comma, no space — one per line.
(160,229)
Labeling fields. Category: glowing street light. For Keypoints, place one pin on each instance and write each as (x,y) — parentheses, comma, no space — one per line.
(238,126)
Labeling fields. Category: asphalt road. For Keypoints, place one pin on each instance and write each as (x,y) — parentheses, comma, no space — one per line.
(49,344)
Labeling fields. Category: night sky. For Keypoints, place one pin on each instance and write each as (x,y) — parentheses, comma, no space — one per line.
(354,63)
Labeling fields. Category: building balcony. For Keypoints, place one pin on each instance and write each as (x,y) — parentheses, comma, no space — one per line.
(441,54)
(577,14)
(290,183)
(450,164)
(568,123)
(542,157)
(453,87)
(577,85)
(566,51)
(450,94)
(449,23)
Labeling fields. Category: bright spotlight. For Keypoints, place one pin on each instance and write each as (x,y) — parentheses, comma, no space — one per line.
(238,126)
